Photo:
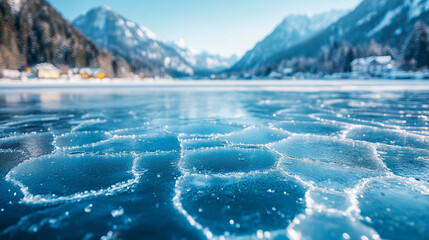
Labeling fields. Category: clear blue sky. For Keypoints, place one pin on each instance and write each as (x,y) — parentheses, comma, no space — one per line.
(219,26)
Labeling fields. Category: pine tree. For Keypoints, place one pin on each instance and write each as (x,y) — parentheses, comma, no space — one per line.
(7,24)
(415,49)
(348,60)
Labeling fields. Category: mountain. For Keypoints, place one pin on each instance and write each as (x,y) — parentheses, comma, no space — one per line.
(214,62)
(292,30)
(135,43)
(386,22)
(203,63)
(31,32)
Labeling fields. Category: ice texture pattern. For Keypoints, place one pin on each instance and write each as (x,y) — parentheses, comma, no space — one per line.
(210,163)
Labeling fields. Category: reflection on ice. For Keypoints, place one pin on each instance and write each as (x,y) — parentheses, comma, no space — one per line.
(32,145)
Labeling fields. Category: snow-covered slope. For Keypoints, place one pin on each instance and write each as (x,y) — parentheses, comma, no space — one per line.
(391,15)
(293,29)
(214,62)
(387,22)
(203,61)
(137,44)
(15,5)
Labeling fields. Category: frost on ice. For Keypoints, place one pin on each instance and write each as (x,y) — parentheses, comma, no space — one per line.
(234,164)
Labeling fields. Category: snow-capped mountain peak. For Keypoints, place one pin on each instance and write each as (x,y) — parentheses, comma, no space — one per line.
(143,48)
(104,18)
(202,61)
(15,5)
(181,43)
(184,50)
(293,29)
(134,42)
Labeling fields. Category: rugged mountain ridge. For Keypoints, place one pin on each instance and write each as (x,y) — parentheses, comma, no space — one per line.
(135,43)
(203,63)
(31,32)
(386,22)
(143,49)
(292,30)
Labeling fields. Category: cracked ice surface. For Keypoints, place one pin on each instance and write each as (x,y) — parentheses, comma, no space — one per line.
(253,163)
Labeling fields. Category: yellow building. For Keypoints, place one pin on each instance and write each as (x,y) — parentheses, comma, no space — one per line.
(46,71)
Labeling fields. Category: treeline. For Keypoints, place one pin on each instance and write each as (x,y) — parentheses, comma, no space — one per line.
(37,33)
(338,56)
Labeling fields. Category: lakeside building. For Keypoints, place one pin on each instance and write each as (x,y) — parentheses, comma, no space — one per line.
(10,74)
(372,65)
(46,71)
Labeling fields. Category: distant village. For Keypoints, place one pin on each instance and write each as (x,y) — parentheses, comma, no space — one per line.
(49,71)
(374,67)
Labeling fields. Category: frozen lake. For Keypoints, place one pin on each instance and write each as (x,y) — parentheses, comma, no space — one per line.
(235,160)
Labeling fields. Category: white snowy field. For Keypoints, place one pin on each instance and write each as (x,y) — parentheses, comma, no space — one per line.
(223,85)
